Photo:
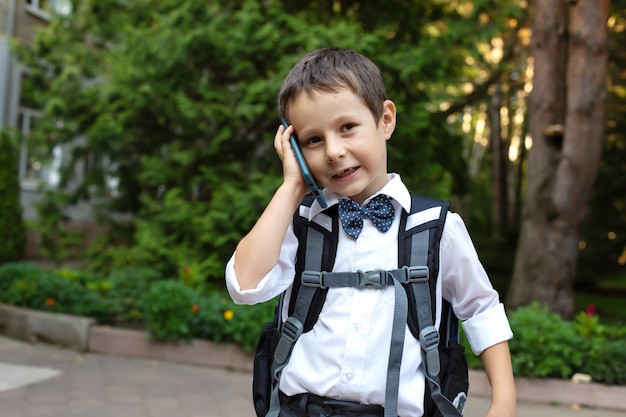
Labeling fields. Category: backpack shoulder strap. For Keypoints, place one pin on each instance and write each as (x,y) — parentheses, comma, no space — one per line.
(422,234)
(419,236)
(317,248)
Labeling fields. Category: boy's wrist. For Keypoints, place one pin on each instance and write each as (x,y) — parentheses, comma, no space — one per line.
(293,188)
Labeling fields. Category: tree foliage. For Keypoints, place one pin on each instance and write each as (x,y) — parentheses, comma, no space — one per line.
(11,223)
(170,107)
(175,101)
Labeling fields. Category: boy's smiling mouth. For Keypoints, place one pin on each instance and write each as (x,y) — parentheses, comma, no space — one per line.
(346,172)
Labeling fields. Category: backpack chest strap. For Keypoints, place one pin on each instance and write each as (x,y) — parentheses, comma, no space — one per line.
(365,279)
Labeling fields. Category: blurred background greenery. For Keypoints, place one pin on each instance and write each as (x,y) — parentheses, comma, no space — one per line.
(167,109)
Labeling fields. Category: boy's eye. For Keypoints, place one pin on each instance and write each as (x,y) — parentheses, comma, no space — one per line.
(314,140)
(348,127)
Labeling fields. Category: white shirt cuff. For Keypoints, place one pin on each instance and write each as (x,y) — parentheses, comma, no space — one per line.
(238,295)
(487,329)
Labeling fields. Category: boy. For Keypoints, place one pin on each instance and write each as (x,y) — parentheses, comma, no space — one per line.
(336,101)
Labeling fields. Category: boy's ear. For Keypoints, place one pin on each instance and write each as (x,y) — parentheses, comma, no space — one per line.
(388,118)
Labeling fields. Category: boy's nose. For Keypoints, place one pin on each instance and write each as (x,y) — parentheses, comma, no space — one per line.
(335,149)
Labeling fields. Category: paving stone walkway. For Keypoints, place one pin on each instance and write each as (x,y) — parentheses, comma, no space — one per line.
(39,380)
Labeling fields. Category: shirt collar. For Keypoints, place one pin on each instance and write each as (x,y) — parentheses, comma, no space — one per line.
(394,188)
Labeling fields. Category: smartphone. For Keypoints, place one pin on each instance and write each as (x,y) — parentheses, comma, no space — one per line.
(304,169)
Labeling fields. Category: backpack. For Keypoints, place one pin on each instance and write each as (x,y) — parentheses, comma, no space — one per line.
(414,282)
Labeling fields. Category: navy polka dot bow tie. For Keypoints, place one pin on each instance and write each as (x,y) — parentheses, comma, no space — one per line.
(379,210)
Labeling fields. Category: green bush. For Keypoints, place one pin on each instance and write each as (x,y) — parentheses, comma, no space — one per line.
(168,309)
(604,348)
(221,320)
(11,222)
(48,292)
(544,345)
(11,272)
(244,328)
(173,311)
(121,290)
(606,362)
(126,287)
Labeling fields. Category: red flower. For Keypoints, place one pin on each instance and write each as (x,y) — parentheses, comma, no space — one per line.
(186,271)
(591,310)
(49,302)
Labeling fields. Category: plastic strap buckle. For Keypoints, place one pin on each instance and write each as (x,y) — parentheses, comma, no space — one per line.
(429,339)
(416,273)
(313,279)
(292,329)
(375,279)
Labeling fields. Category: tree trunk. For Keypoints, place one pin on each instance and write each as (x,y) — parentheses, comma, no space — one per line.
(567,112)
(516,212)
(498,172)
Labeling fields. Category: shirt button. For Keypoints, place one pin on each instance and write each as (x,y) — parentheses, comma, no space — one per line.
(349,376)
(357,327)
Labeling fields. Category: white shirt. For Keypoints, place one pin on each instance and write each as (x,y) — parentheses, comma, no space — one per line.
(345,355)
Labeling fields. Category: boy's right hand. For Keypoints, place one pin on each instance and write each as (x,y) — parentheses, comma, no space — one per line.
(291,170)
(259,251)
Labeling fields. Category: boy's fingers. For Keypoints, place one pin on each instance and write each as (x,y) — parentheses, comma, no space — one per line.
(281,141)
(277,141)
(291,171)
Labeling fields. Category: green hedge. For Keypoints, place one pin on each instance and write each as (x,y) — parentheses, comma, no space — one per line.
(25,285)
(543,346)
(169,309)
(173,311)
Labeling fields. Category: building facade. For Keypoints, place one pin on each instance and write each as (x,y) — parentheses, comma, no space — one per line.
(19,20)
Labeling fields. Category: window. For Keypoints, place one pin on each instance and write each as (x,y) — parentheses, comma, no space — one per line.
(44,8)
(35,167)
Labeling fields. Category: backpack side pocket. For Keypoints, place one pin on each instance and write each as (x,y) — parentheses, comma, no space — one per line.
(262,370)
(453,378)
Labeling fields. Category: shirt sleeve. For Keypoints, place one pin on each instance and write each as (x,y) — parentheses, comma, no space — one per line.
(272,284)
(466,285)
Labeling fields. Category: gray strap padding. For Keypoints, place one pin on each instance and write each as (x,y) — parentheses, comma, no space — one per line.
(396,348)
(294,325)
(429,336)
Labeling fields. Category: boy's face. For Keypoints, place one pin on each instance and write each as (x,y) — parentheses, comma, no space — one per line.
(342,143)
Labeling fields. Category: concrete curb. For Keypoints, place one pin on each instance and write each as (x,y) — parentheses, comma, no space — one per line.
(112,341)
(82,334)
(556,391)
(34,325)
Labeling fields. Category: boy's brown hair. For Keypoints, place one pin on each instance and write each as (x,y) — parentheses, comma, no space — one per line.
(329,70)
